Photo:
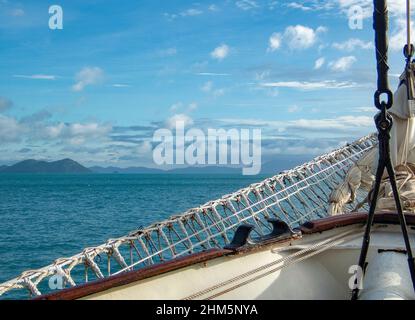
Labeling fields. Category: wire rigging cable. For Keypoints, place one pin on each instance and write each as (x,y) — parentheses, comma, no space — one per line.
(408,23)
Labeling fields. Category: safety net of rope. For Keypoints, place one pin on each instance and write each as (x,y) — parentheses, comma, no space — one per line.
(294,196)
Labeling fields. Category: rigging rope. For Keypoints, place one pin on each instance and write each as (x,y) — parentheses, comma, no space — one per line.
(246,218)
(408,23)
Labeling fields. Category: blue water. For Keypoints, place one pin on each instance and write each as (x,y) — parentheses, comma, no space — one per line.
(45,217)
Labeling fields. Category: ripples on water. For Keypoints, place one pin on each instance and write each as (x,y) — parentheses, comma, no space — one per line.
(44,217)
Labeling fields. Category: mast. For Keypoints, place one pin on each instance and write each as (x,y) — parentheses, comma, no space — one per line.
(384,123)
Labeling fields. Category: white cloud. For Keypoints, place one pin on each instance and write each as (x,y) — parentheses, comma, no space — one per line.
(193,106)
(178,118)
(55,130)
(168,52)
(218,93)
(273,92)
(296,5)
(145,148)
(365,5)
(259,76)
(275,41)
(364,109)
(89,129)
(170,16)
(272,5)
(207,87)
(397,14)
(300,37)
(220,52)
(296,37)
(10,130)
(88,76)
(17,12)
(213,7)
(294,108)
(213,74)
(176,106)
(36,76)
(342,64)
(77,133)
(180,105)
(246,4)
(319,63)
(343,124)
(353,44)
(396,7)
(77,129)
(191,13)
(311,5)
(5,104)
(121,85)
(304,85)
(321,29)
(398,39)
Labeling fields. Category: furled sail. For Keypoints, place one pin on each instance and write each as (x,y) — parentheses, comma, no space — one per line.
(403,130)
(402,148)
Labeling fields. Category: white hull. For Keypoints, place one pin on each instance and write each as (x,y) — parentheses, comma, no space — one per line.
(322,276)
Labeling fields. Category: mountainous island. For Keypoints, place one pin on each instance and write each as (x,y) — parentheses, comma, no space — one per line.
(69,166)
(65,166)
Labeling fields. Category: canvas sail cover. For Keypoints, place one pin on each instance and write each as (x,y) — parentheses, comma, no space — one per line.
(402,147)
(403,130)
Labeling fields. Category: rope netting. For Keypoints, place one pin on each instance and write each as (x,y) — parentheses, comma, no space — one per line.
(295,197)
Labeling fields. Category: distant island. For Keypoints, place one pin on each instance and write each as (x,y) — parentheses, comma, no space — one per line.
(69,166)
(64,166)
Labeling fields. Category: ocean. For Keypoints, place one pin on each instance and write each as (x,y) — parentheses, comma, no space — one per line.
(45,217)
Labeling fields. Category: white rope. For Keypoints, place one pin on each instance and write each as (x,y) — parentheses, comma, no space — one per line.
(238,212)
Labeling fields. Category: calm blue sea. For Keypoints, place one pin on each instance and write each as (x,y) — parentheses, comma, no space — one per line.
(44,217)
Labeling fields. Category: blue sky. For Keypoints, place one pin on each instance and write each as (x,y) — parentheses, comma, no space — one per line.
(98,89)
